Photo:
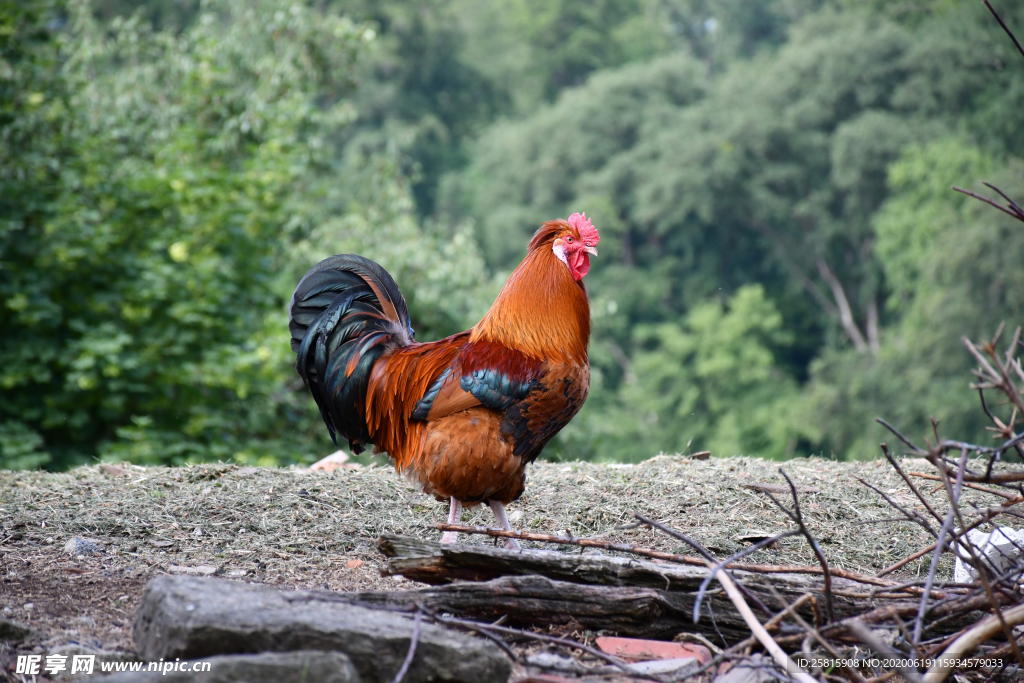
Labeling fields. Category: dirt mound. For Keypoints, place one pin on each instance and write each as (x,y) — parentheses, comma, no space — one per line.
(304,529)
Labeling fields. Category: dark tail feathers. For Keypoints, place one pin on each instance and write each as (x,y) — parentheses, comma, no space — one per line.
(346,312)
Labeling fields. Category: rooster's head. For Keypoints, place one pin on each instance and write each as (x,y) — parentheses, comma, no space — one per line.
(574,242)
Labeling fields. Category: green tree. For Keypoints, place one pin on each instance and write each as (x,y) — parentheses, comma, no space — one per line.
(419,95)
(33,149)
(770,172)
(713,380)
(144,299)
(952,262)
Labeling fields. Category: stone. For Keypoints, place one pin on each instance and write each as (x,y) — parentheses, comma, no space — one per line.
(194,618)
(302,666)
(82,546)
(200,570)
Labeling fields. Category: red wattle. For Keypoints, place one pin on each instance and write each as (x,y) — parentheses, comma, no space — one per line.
(579,264)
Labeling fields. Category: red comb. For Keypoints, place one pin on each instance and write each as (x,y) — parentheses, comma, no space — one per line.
(586,229)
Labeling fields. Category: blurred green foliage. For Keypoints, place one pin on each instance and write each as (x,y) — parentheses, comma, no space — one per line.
(169,169)
(953,265)
(147,292)
(778,171)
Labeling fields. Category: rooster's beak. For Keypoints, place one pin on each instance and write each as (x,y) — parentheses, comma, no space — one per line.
(591,250)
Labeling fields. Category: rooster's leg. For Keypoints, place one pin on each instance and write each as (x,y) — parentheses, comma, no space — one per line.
(454,517)
(499,514)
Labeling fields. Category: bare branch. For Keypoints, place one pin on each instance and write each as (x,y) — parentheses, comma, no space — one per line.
(907,560)
(1009,212)
(777,653)
(845,312)
(798,518)
(977,634)
(940,545)
(661,555)
(1005,28)
(913,448)
(729,560)
(866,636)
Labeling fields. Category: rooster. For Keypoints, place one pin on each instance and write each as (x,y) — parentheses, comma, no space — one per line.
(465,415)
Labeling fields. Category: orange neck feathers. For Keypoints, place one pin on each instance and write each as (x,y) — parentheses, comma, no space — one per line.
(541,311)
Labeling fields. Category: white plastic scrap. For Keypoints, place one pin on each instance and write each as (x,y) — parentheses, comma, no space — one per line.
(1001,548)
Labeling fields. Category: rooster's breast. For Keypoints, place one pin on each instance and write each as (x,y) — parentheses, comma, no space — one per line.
(481,453)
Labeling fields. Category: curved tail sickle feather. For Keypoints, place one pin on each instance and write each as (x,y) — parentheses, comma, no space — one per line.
(346,313)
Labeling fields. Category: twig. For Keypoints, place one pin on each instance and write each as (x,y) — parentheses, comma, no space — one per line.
(813,632)
(697,638)
(777,653)
(584,542)
(1015,497)
(798,518)
(976,562)
(910,484)
(1001,379)
(708,558)
(564,642)
(899,624)
(911,515)
(413,642)
(977,634)
(880,521)
(940,545)
(732,558)
(915,449)
(721,656)
(1005,28)
(1004,478)
(867,636)
(989,515)
(989,201)
(777,619)
(1004,429)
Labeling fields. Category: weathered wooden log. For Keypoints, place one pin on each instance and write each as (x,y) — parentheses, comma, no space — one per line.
(619,594)
(436,564)
(527,601)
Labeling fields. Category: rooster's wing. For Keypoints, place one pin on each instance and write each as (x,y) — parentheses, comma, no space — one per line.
(536,398)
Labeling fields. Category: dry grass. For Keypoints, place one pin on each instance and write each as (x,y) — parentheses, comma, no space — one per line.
(299,528)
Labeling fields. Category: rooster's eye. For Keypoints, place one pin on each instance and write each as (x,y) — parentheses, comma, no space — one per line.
(568,239)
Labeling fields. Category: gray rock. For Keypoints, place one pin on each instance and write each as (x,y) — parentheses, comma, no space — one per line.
(270,667)
(82,546)
(12,631)
(193,618)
